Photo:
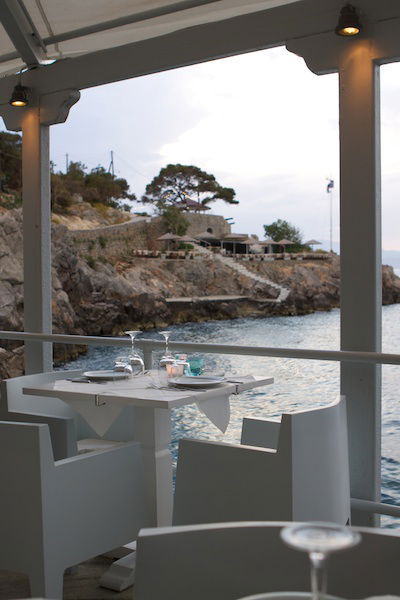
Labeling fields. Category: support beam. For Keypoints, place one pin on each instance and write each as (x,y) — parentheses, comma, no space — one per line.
(22,32)
(226,37)
(361,260)
(360,244)
(36,230)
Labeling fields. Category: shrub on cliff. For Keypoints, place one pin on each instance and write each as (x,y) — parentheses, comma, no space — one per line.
(97,186)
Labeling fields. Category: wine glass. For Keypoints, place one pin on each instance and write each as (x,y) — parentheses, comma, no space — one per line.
(319,540)
(167,358)
(123,364)
(135,359)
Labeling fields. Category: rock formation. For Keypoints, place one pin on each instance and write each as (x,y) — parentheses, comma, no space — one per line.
(104,297)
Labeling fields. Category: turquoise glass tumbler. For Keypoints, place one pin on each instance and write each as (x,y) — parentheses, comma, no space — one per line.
(196,365)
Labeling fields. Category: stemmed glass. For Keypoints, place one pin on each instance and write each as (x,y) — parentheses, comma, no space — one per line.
(135,359)
(167,358)
(319,540)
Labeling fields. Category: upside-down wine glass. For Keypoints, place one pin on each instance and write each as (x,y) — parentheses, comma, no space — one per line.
(319,540)
(167,358)
(135,359)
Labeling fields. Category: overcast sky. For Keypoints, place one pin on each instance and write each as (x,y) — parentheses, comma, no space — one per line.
(262,123)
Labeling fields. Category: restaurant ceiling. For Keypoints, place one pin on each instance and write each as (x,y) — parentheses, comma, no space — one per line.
(56,29)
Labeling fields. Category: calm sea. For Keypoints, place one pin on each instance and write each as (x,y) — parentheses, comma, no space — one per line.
(298,383)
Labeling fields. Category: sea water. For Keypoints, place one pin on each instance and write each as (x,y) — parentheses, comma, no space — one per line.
(297,383)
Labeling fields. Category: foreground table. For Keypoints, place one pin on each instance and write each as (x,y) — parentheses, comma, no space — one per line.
(101,403)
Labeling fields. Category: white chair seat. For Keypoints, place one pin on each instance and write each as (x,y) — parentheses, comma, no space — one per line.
(286,596)
(93,444)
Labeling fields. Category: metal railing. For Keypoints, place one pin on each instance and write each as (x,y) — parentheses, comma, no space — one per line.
(148,346)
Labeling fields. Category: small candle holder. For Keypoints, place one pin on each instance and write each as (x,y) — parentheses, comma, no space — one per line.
(174,369)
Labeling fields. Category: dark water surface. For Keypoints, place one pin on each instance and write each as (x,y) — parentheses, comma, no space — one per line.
(298,383)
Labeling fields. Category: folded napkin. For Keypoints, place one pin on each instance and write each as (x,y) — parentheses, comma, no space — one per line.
(100,417)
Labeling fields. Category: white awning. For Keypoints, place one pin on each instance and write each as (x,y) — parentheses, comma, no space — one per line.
(58,29)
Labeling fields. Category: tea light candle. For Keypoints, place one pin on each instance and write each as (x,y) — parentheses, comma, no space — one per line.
(174,370)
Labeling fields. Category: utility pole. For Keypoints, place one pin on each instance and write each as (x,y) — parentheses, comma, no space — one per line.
(111,167)
(66,163)
(329,189)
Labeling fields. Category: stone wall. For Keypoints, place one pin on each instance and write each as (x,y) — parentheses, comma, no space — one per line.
(200,223)
(118,242)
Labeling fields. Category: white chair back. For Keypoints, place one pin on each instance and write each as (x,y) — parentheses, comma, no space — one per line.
(320,459)
(228,561)
(305,479)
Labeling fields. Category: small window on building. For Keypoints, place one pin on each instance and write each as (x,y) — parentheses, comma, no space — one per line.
(209,229)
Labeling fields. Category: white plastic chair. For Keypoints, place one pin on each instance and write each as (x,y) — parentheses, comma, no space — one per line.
(57,514)
(70,433)
(228,561)
(301,474)
(15,406)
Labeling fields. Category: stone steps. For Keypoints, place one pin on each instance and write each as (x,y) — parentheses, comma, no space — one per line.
(232,264)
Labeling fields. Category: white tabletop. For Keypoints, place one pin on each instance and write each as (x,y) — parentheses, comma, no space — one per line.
(138,392)
(100,403)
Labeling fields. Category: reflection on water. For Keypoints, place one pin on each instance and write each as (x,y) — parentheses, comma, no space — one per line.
(298,383)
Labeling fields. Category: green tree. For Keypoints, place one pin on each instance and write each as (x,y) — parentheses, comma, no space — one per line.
(174,221)
(281,229)
(96,187)
(101,186)
(176,183)
(10,161)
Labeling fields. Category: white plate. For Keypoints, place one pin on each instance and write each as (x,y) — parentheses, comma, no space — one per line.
(105,375)
(196,381)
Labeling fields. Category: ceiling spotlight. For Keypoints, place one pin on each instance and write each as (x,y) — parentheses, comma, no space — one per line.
(349,23)
(19,96)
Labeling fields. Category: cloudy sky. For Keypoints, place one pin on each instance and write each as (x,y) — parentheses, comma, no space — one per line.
(262,123)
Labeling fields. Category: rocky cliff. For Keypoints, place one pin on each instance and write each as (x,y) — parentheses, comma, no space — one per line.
(99,297)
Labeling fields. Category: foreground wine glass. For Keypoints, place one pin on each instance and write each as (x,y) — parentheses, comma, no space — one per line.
(319,540)
(167,358)
(135,359)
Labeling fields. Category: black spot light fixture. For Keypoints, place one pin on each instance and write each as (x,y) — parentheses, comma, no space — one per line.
(19,97)
(349,22)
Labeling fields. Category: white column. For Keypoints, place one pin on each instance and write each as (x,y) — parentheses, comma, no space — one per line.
(37,239)
(360,254)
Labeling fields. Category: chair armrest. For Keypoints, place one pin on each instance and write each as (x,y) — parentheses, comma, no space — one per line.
(263,433)
(62,430)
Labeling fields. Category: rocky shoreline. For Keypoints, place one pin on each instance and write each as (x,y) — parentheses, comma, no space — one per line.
(107,296)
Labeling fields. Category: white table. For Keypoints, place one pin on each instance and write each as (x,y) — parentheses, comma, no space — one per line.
(101,403)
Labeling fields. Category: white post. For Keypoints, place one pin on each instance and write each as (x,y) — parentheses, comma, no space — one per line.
(330,220)
(37,234)
(360,254)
